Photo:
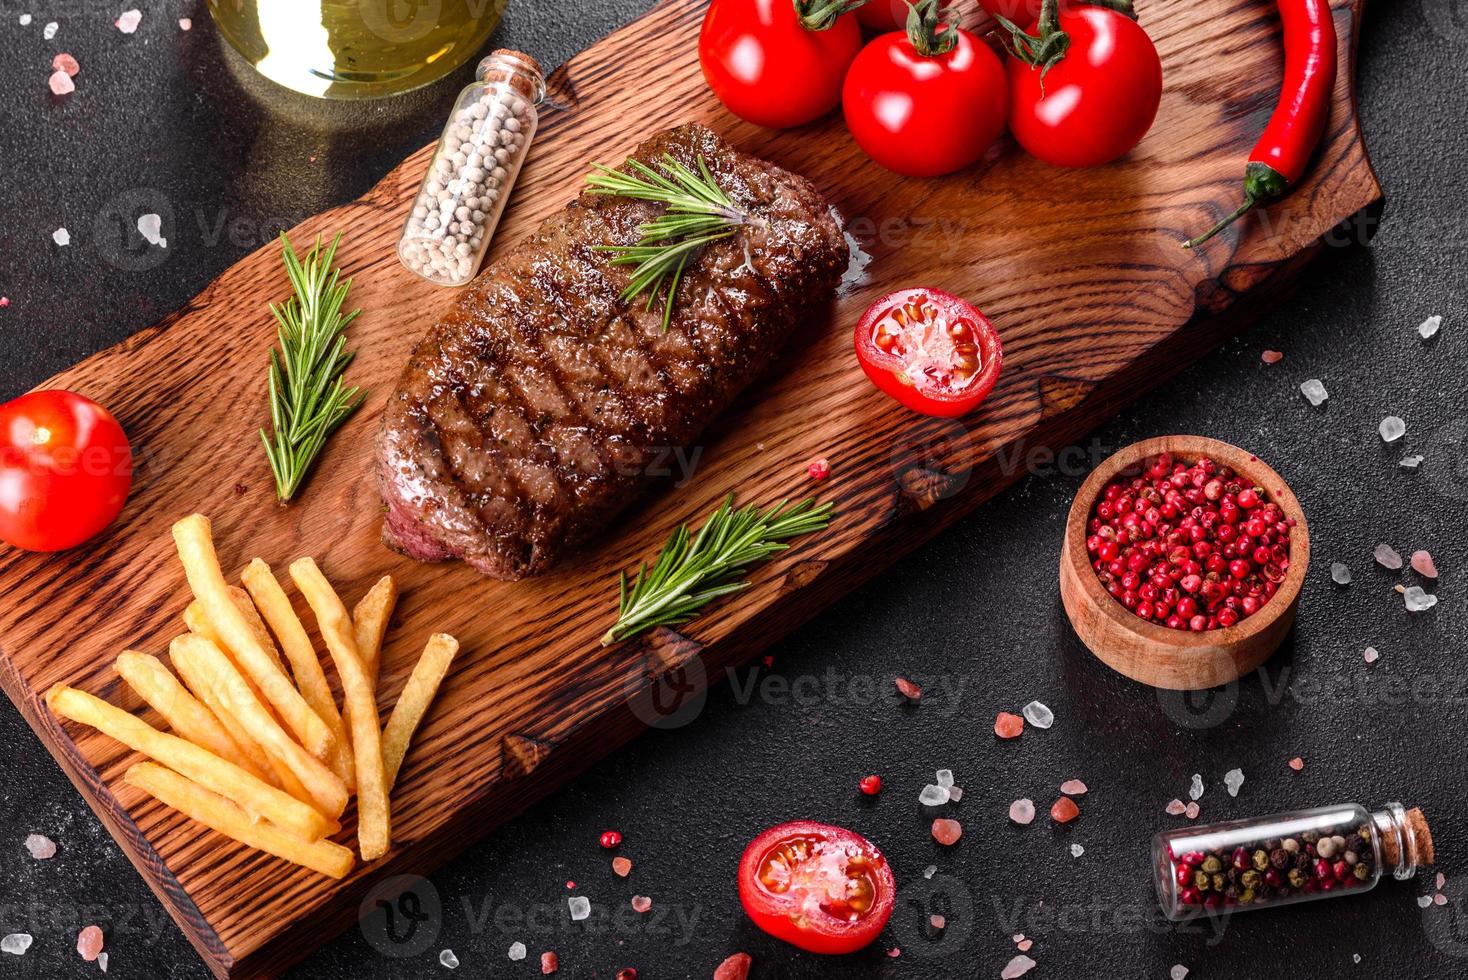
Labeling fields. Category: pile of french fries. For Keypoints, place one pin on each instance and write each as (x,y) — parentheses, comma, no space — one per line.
(259,755)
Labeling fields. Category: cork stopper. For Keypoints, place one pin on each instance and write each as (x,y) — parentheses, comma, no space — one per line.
(1414,848)
(517,68)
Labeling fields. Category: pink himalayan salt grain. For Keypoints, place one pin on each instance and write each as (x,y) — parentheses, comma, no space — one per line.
(129,21)
(550,963)
(1441,880)
(1025,945)
(1073,787)
(1176,808)
(1018,937)
(4,302)
(947,832)
(641,903)
(1297,764)
(1423,565)
(1439,899)
(1192,810)
(735,967)
(894,952)
(938,922)
(61,83)
(1007,725)
(1271,357)
(65,62)
(1017,967)
(622,866)
(43,847)
(184,24)
(908,689)
(1370,655)
(1022,812)
(1064,810)
(89,943)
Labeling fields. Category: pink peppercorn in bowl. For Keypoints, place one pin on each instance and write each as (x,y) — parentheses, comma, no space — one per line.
(1206,647)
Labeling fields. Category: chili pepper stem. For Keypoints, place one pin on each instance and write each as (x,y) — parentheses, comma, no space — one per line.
(1261,183)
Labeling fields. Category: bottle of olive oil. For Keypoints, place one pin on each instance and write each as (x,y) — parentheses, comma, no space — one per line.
(356,49)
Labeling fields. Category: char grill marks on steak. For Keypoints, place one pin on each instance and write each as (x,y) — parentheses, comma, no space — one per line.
(526,418)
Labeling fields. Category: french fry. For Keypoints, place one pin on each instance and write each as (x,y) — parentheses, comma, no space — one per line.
(326,789)
(198,683)
(414,701)
(188,759)
(274,605)
(195,544)
(369,624)
(195,618)
(374,818)
(156,685)
(218,813)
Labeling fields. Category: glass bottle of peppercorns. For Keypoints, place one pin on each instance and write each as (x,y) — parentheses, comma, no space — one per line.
(1287,858)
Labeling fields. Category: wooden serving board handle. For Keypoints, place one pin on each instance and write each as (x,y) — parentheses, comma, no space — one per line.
(1082,271)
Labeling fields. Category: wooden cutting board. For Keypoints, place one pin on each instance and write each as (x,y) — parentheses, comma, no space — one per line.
(1081,271)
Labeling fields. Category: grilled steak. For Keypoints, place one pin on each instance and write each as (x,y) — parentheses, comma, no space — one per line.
(528,416)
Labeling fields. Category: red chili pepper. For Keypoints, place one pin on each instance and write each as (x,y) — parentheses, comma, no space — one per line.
(1280,156)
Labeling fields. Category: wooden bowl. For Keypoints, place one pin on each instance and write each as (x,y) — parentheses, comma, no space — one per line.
(1152,653)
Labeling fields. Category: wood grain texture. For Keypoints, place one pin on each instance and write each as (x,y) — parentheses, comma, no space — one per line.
(1081,271)
(1154,654)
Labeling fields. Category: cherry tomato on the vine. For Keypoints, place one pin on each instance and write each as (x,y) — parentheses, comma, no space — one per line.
(926,102)
(930,350)
(822,888)
(1097,100)
(65,470)
(883,15)
(777,63)
(1023,11)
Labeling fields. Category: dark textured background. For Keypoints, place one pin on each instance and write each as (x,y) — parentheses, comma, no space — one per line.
(164,111)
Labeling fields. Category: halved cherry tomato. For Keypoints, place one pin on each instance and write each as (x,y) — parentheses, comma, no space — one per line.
(926,102)
(65,470)
(930,350)
(822,888)
(1097,100)
(777,63)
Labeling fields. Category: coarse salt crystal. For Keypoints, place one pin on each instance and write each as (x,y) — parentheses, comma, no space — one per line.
(102,961)
(1387,556)
(1271,357)
(944,778)
(150,226)
(1410,462)
(517,951)
(1314,392)
(40,846)
(933,795)
(1007,725)
(930,870)
(580,908)
(947,832)
(1176,808)
(1423,901)
(1025,945)
(89,943)
(1439,899)
(938,922)
(735,967)
(621,866)
(49,31)
(16,943)
(1392,428)
(1418,600)
(1370,655)
(129,21)
(1022,811)
(1233,780)
(1339,573)
(1195,788)
(61,236)
(65,62)
(1018,937)
(1076,850)
(1178,972)
(1428,328)
(61,84)
(1039,715)
(1297,764)
(1017,967)
(894,952)
(1073,787)
(641,903)
(955,793)
(1440,881)
(185,23)
(908,689)
(1423,564)
(448,959)
(549,963)
(1064,810)
(25,20)
(1191,811)
(1355,957)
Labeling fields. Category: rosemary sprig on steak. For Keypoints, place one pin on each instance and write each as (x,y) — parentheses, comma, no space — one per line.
(307,398)
(699,212)
(691,572)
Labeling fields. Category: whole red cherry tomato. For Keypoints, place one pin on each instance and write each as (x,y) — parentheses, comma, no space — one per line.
(926,102)
(778,63)
(1093,100)
(1024,11)
(930,350)
(883,15)
(65,469)
(822,888)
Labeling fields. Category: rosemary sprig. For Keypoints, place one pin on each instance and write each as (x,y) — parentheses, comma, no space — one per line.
(307,398)
(698,212)
(692,571)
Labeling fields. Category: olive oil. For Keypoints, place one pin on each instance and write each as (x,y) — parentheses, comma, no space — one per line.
(356,49)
